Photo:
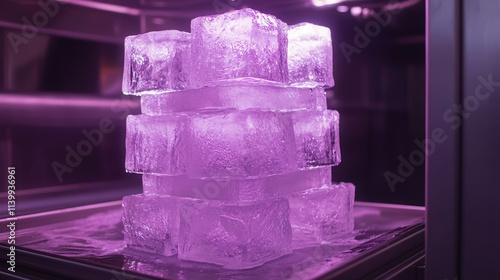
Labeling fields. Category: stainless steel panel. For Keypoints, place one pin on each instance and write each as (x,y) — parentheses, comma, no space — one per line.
(480,223)
(443,163)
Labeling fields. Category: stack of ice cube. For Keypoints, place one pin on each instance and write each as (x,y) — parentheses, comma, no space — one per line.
(234,143)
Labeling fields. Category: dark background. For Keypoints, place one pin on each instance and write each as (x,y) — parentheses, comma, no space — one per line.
(67,77)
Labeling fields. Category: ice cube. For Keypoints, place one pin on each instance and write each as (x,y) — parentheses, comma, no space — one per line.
(237,189)
(322,214)
(310,62)
(243,45)
(156,62)
(156,144)
(232,144)
(317,138)
(240,144)
(237,97)
(151,223)
(211,189)
(234,235)
(298,181)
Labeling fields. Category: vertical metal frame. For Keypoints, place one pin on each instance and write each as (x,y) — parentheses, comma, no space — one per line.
(480,203)
(462,174)
(443,64)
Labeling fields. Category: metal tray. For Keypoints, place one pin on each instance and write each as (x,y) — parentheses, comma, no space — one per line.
(87,243)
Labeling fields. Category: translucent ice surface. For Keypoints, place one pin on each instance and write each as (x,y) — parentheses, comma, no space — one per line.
(235,235)
(232,144)
(156,144)
(156,62)
(317,138)
(240,144)
(237,189)
(151,223)
(235,143)
(243,45)
(237,97)
(322,214)
(310,62)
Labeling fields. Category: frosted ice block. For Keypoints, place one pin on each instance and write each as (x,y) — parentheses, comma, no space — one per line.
(243,45)
(156,62)
(310,62)
(317,138)
(237,97)
(235,235)
(240,144)
(237,189)
(232,144)
(156,144)
(151,223)
(321,214)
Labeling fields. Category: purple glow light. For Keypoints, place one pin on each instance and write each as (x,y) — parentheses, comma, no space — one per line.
(322,3)
(356,11)
(342,9)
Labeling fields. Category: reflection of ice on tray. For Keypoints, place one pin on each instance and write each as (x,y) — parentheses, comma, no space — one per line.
(97,237)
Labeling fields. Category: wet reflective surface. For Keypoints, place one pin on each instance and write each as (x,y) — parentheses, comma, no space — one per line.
(93,235)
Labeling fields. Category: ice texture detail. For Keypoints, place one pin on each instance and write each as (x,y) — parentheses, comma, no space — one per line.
(235,235)
(310,56)
(156,62)
(243,45)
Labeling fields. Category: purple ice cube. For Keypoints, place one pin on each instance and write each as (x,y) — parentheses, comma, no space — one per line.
(237,97)
(151,223)
(237,189)
(240,144)
(156,62)
(209,189)
(235,235)
(322,214)
(156,145)
(298,181)
(231,144)
(317,138)
(243,45)
(310,62)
